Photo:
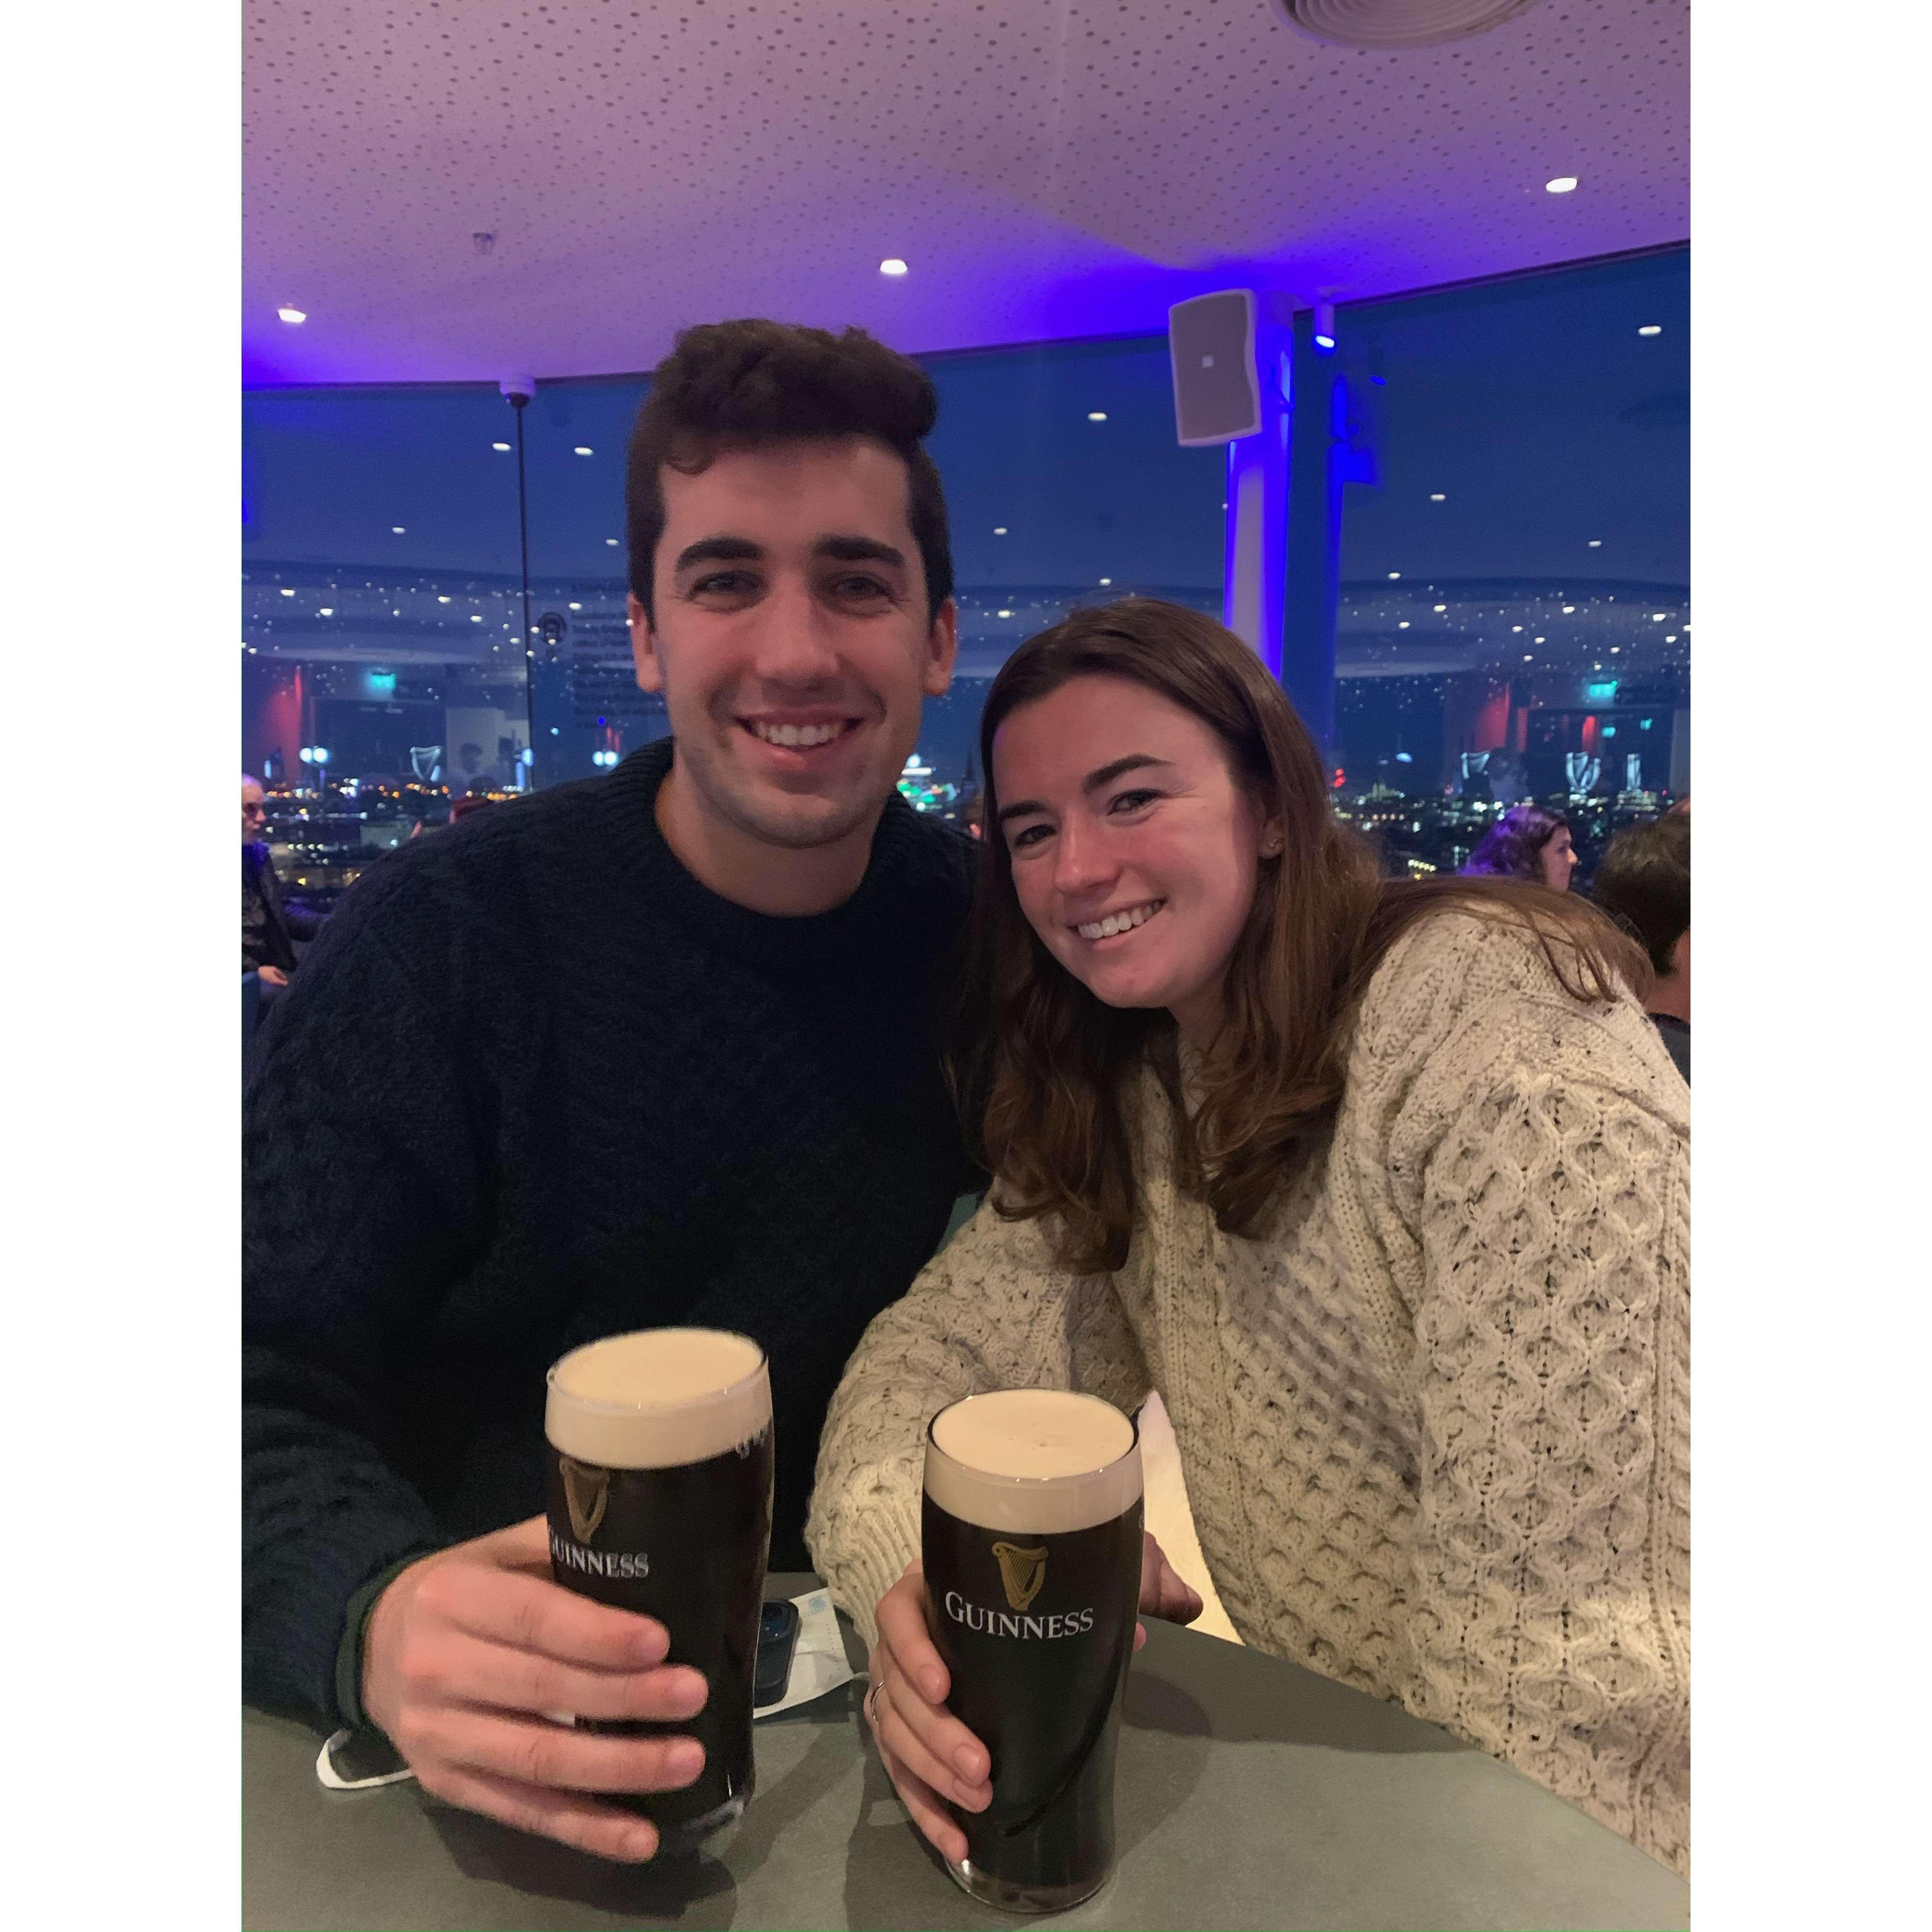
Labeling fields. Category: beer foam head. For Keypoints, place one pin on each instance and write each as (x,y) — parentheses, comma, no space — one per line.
(1038,1461)
(658,1398)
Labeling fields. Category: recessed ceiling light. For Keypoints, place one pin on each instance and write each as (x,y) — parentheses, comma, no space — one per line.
(1596,543)
(1002,613)
(476,620)
(610,542)
(1539,641)
(999,529)
(1438,497)
(892,266)
(327,611)
(1569,610)
(1403,625)
(1096,415)
(395,529)
(292,315)
(584,449)
(1660,617)
(1393,575)
(1438,606)
(1652,328)
(288,593)
(1670,637)
(1615,648)
(504,446)
(577,607)
(1106,580)
(1529,657)
(1516,627)
(1562,184)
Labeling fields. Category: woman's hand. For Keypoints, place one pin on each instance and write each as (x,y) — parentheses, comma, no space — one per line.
(1162,1593)
(929,1755)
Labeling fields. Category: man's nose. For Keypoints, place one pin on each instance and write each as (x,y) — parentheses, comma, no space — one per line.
(795,643)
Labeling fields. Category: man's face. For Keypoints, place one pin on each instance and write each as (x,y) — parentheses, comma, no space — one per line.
(253,818)
(791,643)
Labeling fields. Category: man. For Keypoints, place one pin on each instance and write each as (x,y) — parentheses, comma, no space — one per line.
(1644,884)
(268,929)
(654,1048)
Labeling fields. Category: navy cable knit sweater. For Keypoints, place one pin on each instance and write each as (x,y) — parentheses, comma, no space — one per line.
(536,1084)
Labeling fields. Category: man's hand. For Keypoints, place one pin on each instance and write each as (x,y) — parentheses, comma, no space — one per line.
(464,1652)
(930,1755)
(271,976)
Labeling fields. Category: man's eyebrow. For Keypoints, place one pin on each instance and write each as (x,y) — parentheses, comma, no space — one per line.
(858,549)
(719,550)
(1134,761)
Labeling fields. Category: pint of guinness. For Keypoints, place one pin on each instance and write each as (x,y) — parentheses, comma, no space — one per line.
(660,1502)
(1032,1548)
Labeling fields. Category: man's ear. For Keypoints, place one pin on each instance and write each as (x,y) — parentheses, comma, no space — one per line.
(644,647)
(942,650)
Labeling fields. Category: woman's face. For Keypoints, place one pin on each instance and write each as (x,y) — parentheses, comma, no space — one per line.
(1559,859)
(1134,849)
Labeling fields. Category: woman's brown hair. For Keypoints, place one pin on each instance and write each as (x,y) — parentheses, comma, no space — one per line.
(1041,1067)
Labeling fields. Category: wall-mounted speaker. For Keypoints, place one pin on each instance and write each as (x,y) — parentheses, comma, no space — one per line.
(1210,342)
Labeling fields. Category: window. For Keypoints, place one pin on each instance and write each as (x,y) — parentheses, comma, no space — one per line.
(1514,615)
(382,668)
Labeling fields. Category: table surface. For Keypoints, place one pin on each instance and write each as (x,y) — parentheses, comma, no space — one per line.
(1251,1792)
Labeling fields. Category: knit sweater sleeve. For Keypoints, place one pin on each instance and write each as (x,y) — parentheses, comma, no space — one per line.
(1539,1161)
(991,1311)
(362,1188)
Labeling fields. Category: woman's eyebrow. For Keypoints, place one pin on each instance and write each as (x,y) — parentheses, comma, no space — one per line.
(1094,780)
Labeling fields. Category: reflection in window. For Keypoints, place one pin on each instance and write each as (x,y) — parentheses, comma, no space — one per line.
(382,665)
(1514,617)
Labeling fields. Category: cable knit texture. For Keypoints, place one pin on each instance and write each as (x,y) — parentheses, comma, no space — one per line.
(1434,1421)
(533,1085)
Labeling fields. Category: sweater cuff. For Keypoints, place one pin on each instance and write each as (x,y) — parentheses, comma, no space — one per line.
(355,1627)
(881,1537)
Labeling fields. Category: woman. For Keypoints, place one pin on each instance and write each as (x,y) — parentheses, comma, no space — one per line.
(1382,1185)
(1526,843)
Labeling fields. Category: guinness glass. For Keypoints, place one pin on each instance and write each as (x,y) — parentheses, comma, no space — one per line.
(1032,1546)
(660,1502)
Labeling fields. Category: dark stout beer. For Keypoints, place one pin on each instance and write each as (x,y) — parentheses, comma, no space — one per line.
(660,1502)
(1031,1537)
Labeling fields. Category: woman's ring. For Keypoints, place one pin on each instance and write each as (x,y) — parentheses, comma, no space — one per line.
(872,1704)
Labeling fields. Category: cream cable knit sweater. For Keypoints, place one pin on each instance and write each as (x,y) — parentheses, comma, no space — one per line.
(1434,1423)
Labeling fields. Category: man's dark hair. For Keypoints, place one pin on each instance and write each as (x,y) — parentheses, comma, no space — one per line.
(749,385)
(1644,884)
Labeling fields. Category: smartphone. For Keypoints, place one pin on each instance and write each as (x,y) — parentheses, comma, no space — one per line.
(778,1635)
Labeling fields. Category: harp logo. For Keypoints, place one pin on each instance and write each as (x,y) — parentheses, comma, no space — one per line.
(587,1493)
(1022,1571)
(586,1498)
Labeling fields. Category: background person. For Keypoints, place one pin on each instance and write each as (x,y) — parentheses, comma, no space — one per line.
(1525,843)
(1301,1149)
(269,929)
(1644,884)
(657,1048)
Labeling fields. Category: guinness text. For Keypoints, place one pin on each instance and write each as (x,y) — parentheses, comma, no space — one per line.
(599,1562)
(1005,1623)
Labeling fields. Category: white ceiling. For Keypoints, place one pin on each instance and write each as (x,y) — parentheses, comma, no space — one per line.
(1047,168)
